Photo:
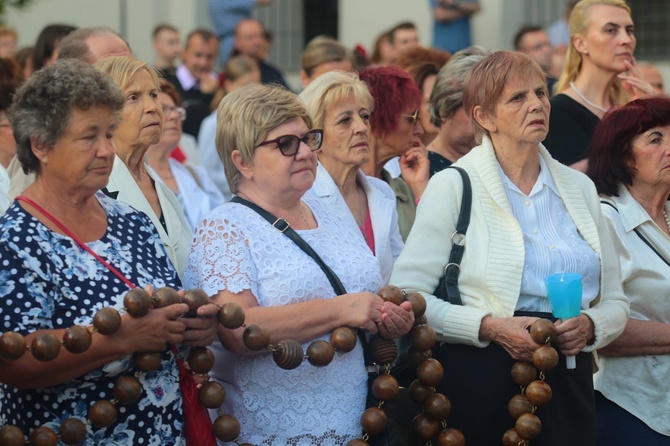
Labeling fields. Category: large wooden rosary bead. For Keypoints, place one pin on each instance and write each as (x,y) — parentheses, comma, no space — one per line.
(195,298)
(391,293)
(418,303)
(212,394)
(343,339)
(43,436)
(77,339)
(451,437)
(226,428)
(528,426)
(148,361)
(12,345)
(45,347)
(385,387)
(523,373)
(425,427)
(383,351)
(107,320)
(416,357)
(72,431)
(231,315)
(423,337)
(12,436)
(437,406)
(200,359)
(256,338)
(543,331)
(320,353)
(137,302)
(358,442)
(165,296)
(288,354)
(430,372)
(102,414)
(511,438)
(518,406)
(127,390)
(418,392)
(373,420)
(545,358)
(538,393)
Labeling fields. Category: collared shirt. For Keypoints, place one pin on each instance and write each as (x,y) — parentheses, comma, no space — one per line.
(551,242)
(187,80)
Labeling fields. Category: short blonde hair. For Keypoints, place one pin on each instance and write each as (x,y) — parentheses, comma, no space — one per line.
(330,88)
(122,69)
(245,117)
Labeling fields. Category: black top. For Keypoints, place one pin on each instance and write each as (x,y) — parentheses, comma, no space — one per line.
(437,162)
(571,127)
(196,103)
(270,75)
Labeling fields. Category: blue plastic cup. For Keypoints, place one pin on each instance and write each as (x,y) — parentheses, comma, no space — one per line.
(565,294)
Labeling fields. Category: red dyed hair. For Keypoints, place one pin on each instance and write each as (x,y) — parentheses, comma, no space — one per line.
(611,159)
(393,92)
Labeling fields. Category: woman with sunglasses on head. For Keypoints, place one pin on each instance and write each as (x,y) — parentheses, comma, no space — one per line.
(192,185)
(268,151)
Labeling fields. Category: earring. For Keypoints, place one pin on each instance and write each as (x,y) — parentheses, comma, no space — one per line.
(586,52)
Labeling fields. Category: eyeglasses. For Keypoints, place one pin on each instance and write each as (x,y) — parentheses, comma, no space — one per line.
(413,117)
(181,113)
(288,145)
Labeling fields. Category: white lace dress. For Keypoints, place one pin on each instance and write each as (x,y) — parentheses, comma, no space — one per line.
(236,249)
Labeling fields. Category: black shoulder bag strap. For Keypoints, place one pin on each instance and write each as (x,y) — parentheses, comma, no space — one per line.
(282,226)
(639,234)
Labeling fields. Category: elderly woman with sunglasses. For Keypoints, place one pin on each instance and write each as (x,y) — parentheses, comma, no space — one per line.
(267,148)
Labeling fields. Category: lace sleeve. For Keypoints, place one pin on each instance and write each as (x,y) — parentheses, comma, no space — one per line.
(220,258)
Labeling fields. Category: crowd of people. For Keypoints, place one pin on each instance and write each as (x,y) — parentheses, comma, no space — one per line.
(117,172)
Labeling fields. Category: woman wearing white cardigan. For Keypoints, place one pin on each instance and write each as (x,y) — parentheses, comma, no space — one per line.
(530,217)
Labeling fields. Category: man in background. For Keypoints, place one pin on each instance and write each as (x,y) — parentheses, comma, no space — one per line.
(651,74)
(534,41)
(167,46)
(402,37)
(451,31)
(251,41)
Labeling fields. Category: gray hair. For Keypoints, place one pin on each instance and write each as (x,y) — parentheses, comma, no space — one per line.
(44,103)
(447,93)
(73,46)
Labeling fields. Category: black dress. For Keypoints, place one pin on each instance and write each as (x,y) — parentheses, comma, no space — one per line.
(571,127)
(437,162)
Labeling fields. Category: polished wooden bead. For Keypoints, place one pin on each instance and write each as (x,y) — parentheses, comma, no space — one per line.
(127,390)
(518,406)
(212,394)
(165,296)
(358,442)
(102,414)
(391,293)
(231,315)
(383,351)
(451,437)
(420,320)
(200,359)
(226,428)
(320,353)
(77,339)
(528,426)
(545,358)
(523,373)
(107,320)
(373,420)
(538,393)
(195,298)
(511,438)
(543,331)
(137,302)
(256,338)
(12,345)
(418,392)
(385,387)
(343,339)
(72,431)
(45,347)
(437,406)
(418,303)
(423,337)
(430,372)
(416,357)
(12,436)
(43,436)
(148,361)
(288,354)
(425,427)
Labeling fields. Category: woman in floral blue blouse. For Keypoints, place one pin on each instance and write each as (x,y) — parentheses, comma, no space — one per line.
(63,119)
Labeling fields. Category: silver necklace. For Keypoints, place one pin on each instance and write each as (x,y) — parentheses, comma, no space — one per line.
(585,99)
(303,217)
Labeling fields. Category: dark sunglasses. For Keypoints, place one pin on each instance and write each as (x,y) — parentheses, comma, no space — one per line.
(288,145)
(413,117)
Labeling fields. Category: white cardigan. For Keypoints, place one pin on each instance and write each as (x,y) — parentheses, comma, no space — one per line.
(381,201)
(492,265)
